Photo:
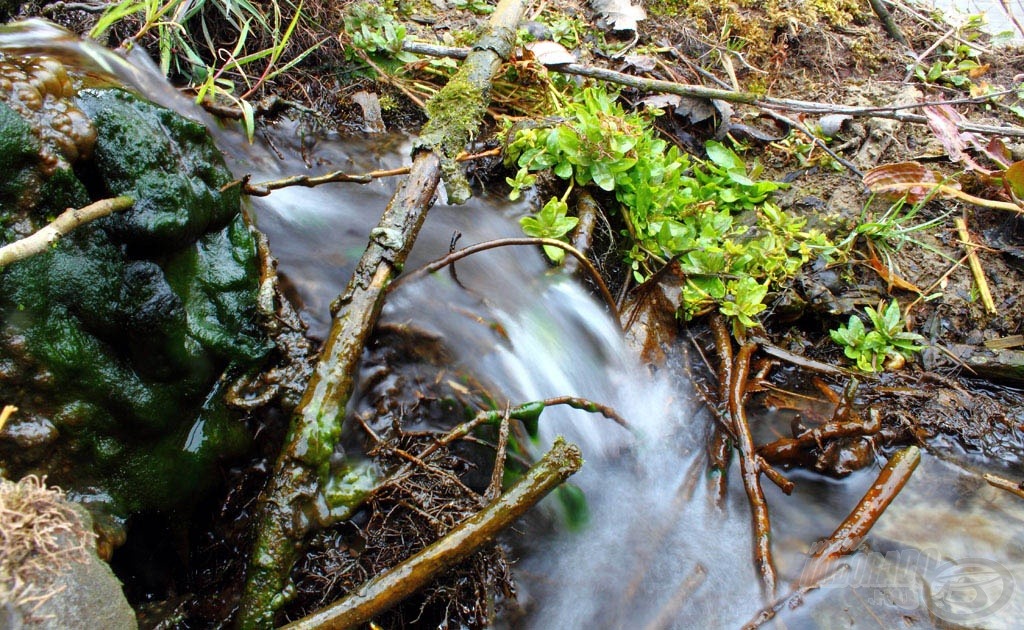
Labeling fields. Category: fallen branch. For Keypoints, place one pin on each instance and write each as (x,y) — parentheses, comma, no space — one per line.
(457,255)
(292,503)
(386,590)
(750,470)
(68,220)
(263,189)
(895,112)
(848,536)
(720,444)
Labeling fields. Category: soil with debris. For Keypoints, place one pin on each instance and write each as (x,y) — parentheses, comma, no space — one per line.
(963,396)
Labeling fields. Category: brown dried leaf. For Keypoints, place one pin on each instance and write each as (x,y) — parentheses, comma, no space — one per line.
(905,178)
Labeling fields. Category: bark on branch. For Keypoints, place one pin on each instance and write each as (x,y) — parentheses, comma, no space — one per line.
(68,220)
(384,591)
(293,504)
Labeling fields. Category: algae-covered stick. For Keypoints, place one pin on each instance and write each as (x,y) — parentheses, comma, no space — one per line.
(294,495)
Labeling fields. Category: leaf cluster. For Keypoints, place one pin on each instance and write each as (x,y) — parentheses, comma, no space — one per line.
(887,338)
(713,217)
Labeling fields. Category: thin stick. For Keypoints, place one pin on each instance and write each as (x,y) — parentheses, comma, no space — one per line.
(386,590)
(68,220)
(993,480)
(848,536)
(975,264)
(894,112)
(498,472)
(750,470)
(263,189)
(720,446)
(5,415)
(889,24)
(457,255)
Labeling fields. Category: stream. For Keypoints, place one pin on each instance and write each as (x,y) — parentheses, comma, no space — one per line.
(656,551)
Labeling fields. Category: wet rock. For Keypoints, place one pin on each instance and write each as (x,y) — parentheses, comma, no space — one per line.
(118,342)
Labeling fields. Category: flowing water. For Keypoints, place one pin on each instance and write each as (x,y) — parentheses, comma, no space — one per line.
(656,551)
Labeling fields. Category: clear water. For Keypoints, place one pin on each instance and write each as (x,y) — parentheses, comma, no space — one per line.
(656,552)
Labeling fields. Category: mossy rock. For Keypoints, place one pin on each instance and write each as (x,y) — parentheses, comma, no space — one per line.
(117,343)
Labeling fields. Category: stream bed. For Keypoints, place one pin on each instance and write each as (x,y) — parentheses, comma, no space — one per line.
(656,550)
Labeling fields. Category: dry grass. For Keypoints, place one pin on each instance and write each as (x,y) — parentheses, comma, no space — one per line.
(40,534)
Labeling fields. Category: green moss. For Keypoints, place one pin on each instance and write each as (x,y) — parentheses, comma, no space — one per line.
(124,332)
(454,115)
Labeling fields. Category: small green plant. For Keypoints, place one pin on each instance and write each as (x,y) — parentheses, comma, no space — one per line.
(713,217)
(957,63)
(373,31)
(477,7)
(550,222)
(887,339)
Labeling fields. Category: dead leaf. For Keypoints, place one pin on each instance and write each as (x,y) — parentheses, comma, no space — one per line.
(549,53)
(906,178)
(832,124)
(620,15)
(943,121)
(641,63)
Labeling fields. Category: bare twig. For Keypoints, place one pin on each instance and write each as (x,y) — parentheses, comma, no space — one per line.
(384,591)
(263,189)
(889,24)
(1002,483)
(68,220)
(5,415)
(848,536)
(457,255)
(750,470)
(720,445)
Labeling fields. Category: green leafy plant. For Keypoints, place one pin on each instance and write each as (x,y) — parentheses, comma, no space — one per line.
(550,222)
(958,63)
(374,31)
(887,339)
(713,217)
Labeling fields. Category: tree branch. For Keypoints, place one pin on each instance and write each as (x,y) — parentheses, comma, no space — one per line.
(69,220)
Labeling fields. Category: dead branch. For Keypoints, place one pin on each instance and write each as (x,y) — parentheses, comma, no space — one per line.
(583,234)
(303,465)
(748,98)
(457,255)
(848,536)
(995,480)
(750,469)
(386,590)
(720,445)
(68,220)
(263,189)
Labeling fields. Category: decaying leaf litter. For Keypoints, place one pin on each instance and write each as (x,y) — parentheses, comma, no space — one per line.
(959,393)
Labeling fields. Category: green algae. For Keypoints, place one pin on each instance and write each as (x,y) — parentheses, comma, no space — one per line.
(122,336)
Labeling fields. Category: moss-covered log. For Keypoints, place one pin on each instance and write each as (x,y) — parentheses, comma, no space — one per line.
(297,497)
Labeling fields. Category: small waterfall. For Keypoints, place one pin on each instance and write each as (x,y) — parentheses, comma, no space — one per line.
(656,552)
